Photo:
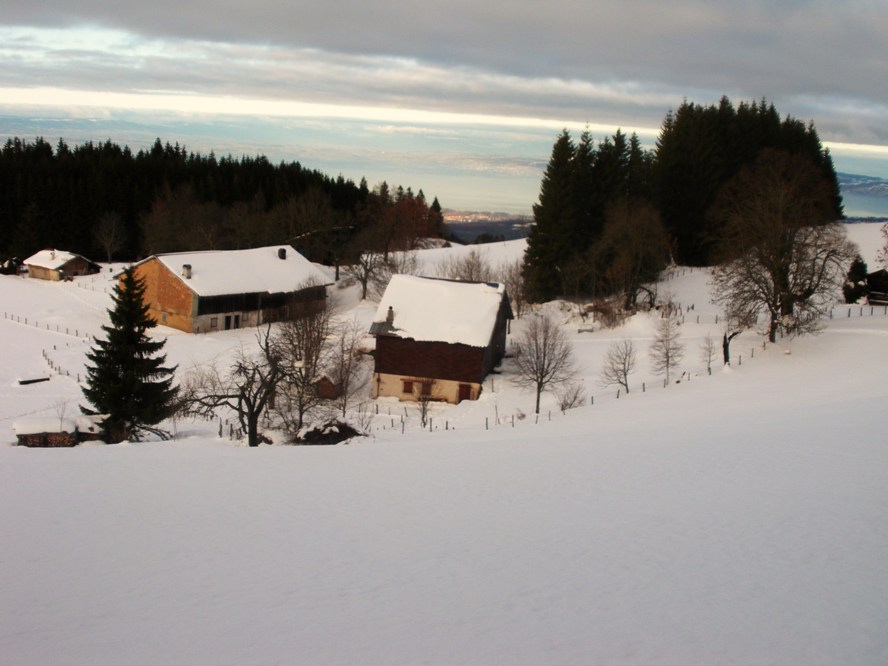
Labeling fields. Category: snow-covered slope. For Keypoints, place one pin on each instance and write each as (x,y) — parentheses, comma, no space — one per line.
(735,518)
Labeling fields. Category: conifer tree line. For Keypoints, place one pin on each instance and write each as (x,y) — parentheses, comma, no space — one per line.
(106,202)
(610,216)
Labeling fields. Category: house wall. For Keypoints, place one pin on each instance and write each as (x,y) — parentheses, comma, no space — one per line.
(388,385)
(170,302)
(496,348)
(41,273)
(77,266)
(438,360)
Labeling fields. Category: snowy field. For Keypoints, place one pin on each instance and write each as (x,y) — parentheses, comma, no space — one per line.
(738,518)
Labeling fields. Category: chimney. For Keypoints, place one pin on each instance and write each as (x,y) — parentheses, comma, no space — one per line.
(282,253)
(186,271)
(390,316)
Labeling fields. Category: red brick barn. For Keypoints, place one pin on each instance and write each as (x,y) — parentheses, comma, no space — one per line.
(200,292)
(438,338)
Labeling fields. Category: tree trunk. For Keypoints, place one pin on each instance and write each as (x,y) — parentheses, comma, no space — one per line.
(539,393)
(253,429)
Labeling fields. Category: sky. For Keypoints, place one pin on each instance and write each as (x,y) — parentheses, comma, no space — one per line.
(460,99)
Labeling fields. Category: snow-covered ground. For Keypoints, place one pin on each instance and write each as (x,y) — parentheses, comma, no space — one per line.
(738,518)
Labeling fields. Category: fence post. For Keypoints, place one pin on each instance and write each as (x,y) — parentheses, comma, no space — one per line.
(486,424)
(642,387)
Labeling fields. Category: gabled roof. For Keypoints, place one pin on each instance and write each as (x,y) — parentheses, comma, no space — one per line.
(52,259)
(435,310)
(259,270)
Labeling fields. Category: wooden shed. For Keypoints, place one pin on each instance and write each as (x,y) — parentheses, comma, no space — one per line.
(438,339)
(56,265)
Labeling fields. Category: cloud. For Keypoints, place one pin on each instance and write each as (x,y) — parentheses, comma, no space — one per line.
(621,63)
(463,78)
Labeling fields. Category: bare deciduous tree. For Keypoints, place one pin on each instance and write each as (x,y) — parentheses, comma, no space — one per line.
(882,257)
(618,364)
(364,269)
(785,255)
(470,267)
(109,233)
(707,351)
(633,249)
(424,402)
(247,387)
(571,396)
(511,274)
(398,263)
(545,357)
(666,351)
(346,368)
(305,354)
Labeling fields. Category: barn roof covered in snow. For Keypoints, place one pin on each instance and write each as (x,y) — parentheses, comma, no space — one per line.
(436,310)
(52,259)
(274,269)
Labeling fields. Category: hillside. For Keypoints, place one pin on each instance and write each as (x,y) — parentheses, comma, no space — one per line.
(735,518)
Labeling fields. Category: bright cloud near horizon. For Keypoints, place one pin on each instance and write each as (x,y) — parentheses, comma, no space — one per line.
(460,99)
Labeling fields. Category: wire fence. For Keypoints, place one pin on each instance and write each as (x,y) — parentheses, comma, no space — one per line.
(52,328)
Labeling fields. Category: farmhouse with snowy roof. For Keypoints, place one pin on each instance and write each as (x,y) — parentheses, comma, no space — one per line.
(58,265)
(438,338)
(199,292)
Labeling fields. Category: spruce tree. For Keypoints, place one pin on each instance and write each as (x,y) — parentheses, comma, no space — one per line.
(126,378)
(549,244)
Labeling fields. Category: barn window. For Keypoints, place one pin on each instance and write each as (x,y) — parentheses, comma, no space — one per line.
(408,386)
(426,389)
(214,322)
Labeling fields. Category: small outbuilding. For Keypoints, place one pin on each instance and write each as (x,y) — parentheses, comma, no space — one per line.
(200,292)
(56,265)
(438,339)
(877,287)
(48,431)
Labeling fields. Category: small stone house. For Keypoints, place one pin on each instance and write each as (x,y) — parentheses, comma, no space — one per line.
(200,292)
(438,339)
(59,265)
(54,432)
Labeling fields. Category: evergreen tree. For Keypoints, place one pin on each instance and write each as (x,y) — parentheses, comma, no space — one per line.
(549,244)
(126,378)
(855,286)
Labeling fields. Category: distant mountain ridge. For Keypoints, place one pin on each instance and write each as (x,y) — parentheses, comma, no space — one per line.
(858,184)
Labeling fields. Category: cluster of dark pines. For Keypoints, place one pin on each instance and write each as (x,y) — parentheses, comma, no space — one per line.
(660,202)
(106,202)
